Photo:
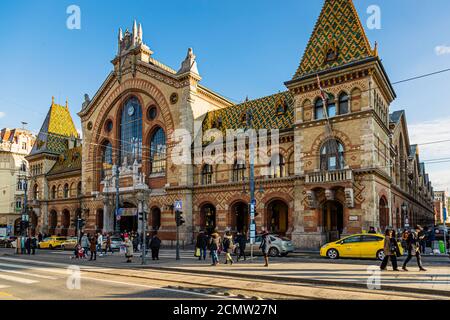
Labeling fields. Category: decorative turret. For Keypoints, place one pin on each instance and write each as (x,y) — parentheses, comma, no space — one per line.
(133,41)
(189,64)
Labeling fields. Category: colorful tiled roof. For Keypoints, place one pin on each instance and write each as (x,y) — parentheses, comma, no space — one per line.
(338,31)
(265,112)
(57,128)
(68,161)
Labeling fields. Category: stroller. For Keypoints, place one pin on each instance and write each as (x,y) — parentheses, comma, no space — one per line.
(79,252)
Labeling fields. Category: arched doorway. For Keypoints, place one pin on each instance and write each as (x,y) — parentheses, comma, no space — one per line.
(129,219)
(52,222)
(208,218)
(65,222)
(99,220)
(333,220)
(384,213)
(277,217)
(240,218)
(155,219)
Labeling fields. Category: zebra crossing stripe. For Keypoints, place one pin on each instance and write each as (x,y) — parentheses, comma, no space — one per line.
(17,279)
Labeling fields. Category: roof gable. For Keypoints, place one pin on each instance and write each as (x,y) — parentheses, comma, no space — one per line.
(337,30)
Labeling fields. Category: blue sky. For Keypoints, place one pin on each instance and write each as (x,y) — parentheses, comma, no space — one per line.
(243,48)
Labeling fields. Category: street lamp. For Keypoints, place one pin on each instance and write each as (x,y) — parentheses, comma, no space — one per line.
(140,196)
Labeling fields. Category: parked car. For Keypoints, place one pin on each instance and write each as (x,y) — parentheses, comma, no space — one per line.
(369,246)
(69,244)
(116,242)
(280,246)
(52,242)
(7,242)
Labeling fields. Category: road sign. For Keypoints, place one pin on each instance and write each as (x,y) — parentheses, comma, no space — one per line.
(178,205)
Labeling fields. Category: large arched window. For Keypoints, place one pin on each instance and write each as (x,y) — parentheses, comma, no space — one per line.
(238,171)
(332,156)
(158,152)
(343,103)
(131,132)
(331,106)
(277,166)
(207,174)
(66,190)
(319,112)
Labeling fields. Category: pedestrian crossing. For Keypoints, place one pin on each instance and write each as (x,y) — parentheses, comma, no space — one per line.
(23,274)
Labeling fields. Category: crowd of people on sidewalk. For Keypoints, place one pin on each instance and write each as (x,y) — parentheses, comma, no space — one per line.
(26,245)
(413,241)
(215,245)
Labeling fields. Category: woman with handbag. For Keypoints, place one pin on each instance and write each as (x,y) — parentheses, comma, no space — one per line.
(391,250)
(228,247)
(215,246)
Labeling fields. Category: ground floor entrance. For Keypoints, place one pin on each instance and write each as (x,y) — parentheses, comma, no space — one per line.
(333,220)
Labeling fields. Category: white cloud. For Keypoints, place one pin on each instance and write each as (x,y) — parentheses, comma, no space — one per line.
(442,50)
(432,131)
(2,114)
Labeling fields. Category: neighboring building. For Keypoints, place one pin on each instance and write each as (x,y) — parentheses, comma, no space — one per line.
(55,172)
(15,144)
(441,202)
(331,177)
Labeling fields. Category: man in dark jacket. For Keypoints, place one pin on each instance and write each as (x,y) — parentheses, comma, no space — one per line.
(241,240)
(202,244)
(155,245)
(413,248)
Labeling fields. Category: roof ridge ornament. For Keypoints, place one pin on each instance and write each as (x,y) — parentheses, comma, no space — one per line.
(189,64)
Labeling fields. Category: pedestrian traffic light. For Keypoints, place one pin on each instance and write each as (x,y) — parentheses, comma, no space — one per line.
(179,218)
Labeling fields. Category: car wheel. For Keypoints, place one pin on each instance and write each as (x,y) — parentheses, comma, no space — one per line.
(332,254)
(380,255)
(50,247)
(273,252)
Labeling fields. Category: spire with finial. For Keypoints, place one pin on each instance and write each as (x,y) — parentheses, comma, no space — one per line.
(140,34)
(135,32)
(53,99)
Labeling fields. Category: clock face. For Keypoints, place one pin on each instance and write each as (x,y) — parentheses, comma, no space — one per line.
(130,110)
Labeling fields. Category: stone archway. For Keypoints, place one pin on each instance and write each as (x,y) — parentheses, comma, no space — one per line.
(208,221)
(278,217)
(383,209)
(65,222)
(332,220)
(52,222)
(155,219)
(239,217)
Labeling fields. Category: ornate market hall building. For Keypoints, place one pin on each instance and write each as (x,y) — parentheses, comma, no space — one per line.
(333,176)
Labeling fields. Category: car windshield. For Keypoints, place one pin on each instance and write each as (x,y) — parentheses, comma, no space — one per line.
(46,239)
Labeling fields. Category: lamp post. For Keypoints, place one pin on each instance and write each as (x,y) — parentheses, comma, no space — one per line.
(140,196)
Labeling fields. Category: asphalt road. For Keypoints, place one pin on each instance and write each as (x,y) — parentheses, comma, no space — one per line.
(51,281)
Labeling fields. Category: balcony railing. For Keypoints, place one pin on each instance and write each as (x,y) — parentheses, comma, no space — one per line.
(330,176)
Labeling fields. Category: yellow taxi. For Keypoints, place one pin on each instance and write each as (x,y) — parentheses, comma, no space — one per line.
(69,243)
(52,242)
(369,246)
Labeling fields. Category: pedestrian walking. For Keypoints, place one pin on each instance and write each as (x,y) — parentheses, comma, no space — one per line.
(215,244)
(99,243)
(228,247)
(423,236)
(391,250)
(28,244)
(155,245)
(33,245)
(265,246)
(128,249)
(241,241)
(93,248)
(40,237)
(413,248)
(85,244)
(108,244)
(23,245)
(201,245)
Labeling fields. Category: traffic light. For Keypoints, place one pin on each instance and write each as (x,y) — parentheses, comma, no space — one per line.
(80,223)
(141,216)
(179,218)
(24,225)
